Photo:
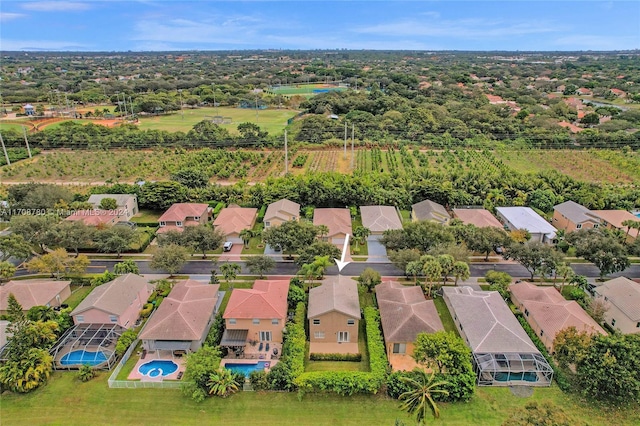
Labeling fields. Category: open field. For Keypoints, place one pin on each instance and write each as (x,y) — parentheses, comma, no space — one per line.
(304,89)
(272,120)
(67,401)
(255,166)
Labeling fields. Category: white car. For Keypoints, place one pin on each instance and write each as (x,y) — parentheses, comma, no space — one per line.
(227,246)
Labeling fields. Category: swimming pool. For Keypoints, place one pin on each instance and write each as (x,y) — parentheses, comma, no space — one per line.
(158,367)
(83,357)
(246,369)
(525,376)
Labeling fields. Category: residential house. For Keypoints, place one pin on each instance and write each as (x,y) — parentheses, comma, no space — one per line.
(180,215)
(334,315)
(548,312)
(233,220)
(572,216)
(619,93)
(380,218)
(430,210)
(184,318)
(583,91)
(612,219)
(404,313)
(515,218)
(256,315)
(127,204)
(572,127)
(623,300)
(36,292)
(337,220)
(478,217)
(281,211)
(116,302)
(96,217)
(503,354)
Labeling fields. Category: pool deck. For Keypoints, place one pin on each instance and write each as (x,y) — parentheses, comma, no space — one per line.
(153,356)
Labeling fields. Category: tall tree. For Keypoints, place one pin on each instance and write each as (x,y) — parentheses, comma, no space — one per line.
(419,399)
(603,250)
(446,262)
(360,234)
(203,238)
(246,235)
(230,271)
(432,270)
(533,256)
(260,265)
(127,266)
(115,239)
(58,263)
(72,234)
(169,258)
(291,236)
(14,245)
(485,240)
(34,229)
(414,269)
(6,270)
(461,271)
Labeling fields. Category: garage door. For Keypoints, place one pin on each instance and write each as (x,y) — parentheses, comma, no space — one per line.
(235,240)
(338,241)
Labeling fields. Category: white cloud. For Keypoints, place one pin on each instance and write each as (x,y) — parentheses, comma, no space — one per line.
(598,42)
(35,45)
(8,16)
(55,6)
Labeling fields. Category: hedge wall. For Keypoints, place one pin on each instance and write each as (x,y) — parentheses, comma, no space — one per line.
(261,213)
(336,357)
(351,382)
(291,365)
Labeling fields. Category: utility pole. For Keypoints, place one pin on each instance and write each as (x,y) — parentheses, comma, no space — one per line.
(131,107)
(286,154)
(24,131)
(214,97)
(5,150)
(345,141)
(352,138)
(181,109)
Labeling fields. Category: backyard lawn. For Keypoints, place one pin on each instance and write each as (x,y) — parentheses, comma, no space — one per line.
(78,293)
(445,316)
(67,401)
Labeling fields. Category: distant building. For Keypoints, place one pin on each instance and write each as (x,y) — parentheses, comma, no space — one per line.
(515,218)
(623,298)
(430,210)
(572,216)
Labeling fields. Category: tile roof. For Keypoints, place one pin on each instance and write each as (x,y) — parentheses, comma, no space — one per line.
(267,299)
(430,210)
(337,220)
(404,312)
(479,217)
(551,311)
(624,294)
(380,218)
(94,217)
(526,218)
(575,212)
(616,217)
(178,212)
(232,220)
(30,293)
(284,205)
(487,321)
(115,296)
(184,314)
(337,293)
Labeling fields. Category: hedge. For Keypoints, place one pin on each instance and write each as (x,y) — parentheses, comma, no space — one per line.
(125,340)
(558,374)
(291,365)
(351,382)
(217,209)
(261,213)
(336,357)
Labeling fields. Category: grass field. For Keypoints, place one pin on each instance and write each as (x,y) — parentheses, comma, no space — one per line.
(67,401)
(4,126)
(272,120)
(303,89)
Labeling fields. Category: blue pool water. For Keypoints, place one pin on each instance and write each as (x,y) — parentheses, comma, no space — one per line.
(158,367)
(83,357)
(527,377)
(638,215)
(246,369)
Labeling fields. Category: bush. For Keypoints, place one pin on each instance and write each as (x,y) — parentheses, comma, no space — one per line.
(261,212)
(86,373)
(336,357)
(218,207)
(259,380)
(103,278)
(146,310)
(291,365)
(215,332)
(125,340)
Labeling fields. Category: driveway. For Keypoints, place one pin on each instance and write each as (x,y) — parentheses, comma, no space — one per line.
(232,255)
(377,252)
(275,255)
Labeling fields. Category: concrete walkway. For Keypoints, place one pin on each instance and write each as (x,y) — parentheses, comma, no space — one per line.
(471,282)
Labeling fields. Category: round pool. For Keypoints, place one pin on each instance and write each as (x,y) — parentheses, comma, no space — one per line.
(158,367)
(83,358)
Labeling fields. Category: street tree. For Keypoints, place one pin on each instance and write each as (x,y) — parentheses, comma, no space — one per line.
(6,271)
(499,281)
(14,245)
(34,228)
(127,266)
(260,265)
(461,271)
(72,235)
(115,239)
(486,240)
(432,269)
(369,279)
(402,258)
(169,258)
(318,248)
(414,269)
(446,262)
(202,238)
(230,271)
(533,256)
(601,249)
(291,236)
(58,263)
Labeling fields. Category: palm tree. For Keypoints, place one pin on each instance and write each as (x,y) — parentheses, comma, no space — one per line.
(323,231)
(446,261)
(629,223)
(307,271)
(360,234)
(563,270)
(221,383)
(461,270)
(321,263)
(246,235)
(230,271)
(418,399)
(414,269)
(433,270)
(86,373)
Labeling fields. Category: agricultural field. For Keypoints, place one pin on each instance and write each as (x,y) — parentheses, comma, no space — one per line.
(272,120)
(127,166)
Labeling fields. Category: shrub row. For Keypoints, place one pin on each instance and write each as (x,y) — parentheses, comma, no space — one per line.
(561,379)
(291,365)
(153,225)
(217,209)
(261,213)
(336,357)
(125,340)
(351,382)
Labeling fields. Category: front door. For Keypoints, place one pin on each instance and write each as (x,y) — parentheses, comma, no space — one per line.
(265,336)
(343,336)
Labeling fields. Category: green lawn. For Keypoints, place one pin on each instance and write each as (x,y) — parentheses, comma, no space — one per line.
(67,401)
(77,295)
(271,120)
(147,216)
(131,362)
(5,126)
(445,316)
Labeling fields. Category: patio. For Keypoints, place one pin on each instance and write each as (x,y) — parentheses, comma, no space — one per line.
(240,347)
(158,355)
(333,348)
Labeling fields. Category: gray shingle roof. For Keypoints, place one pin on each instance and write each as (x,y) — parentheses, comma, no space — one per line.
(430,210)
(337,293)
(121,199)
(575,212)
(624,294)
(404,312)
(115,296)
(526,218)
(487,321)
(284,205)
(380,218)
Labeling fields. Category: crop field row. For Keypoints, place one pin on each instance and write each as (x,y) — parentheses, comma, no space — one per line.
(127,166)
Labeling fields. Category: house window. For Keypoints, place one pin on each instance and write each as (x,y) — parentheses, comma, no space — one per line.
(399,348)
(163,223)
(275,321)
(343,337)
(178,223)
(316,322)
(613,321)
(256,321)
(113,318)
(267,224)
(232,321)
(80,318)
(265,336)
(595,226)
(638,325)
(541,333)
(318,335)
(196,218)
(351,322)
(578,226)
(526,312)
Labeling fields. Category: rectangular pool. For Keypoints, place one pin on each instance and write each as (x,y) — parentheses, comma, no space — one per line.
(246,369)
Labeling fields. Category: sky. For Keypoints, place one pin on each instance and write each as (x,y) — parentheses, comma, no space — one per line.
(161,25)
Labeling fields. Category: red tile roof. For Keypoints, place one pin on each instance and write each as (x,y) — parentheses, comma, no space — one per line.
(30,293)
(267,299)
(232,220)
(95,217)
(179,212)
(479,217)
(337,220)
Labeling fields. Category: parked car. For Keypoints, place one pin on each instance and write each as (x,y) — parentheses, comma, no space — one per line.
(227,246)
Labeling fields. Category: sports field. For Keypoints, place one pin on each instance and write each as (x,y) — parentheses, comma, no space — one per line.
(272,120)
(304,89)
